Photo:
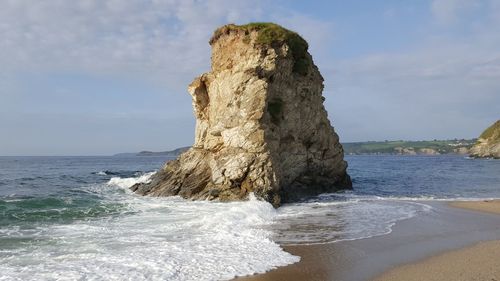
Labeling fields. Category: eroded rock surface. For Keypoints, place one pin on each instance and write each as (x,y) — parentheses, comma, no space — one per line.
(261,125)
(488,144)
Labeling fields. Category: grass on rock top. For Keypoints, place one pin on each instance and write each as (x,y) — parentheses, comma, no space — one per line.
(270,34)
(490,132)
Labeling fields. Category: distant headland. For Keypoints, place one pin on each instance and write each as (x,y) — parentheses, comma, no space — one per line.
(488,144)
(389,147)
(401,147)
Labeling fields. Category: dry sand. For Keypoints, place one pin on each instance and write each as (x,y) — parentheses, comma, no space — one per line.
(439,241)
(489,206)
(478,262)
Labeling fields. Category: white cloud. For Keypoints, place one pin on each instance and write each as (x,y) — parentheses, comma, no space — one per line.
(51,49)
(161,40)
(164,39)
(112,36)
(447,76)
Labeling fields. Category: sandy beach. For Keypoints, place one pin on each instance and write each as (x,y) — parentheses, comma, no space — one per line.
(451,242)
(489,206)
(477,262)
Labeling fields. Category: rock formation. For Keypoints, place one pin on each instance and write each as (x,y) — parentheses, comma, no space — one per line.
(488,143)
(261,125)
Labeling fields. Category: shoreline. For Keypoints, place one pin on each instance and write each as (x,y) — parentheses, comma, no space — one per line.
(450,227)
(487,206)
(474,262)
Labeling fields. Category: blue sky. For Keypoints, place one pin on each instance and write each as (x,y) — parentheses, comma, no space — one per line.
(102,77)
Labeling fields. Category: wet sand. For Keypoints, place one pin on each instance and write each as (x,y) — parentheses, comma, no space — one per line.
(477,262)
(428,235)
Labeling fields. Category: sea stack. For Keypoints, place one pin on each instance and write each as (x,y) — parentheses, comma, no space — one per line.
(488,143)
(261,126)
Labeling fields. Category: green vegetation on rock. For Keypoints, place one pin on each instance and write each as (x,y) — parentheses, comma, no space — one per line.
(272,34)
(492,132)
(488,144)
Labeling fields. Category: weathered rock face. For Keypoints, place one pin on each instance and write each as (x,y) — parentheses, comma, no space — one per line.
(260,124)
(488,144)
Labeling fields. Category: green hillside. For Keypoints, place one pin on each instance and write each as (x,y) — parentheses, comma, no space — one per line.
(409,147)
(493,132)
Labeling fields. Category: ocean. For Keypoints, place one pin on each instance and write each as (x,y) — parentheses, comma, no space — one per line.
(73,218)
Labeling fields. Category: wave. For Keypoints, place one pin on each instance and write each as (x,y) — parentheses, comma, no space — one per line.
(149,239)
(144,238)
(129,182)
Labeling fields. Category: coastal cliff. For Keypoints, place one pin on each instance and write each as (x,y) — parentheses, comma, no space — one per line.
(488,143)
(261,125)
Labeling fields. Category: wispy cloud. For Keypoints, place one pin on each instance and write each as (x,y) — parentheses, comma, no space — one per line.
(112,36)
(443,83)
(49,49)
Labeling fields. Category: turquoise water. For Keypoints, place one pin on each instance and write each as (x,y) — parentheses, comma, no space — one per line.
(41,190)
(67,218)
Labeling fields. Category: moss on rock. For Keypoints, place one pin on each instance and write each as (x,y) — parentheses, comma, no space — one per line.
(271,34)
(491,131)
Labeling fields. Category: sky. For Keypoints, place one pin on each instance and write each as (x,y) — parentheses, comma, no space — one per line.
(99,77)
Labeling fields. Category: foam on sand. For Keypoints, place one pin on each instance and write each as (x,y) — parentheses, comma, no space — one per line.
(334,221)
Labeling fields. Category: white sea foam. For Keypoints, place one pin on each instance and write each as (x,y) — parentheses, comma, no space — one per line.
(154,239)
(322,222)
(175,239)
(128,182)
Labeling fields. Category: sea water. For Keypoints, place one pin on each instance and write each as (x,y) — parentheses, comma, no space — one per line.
(73,218)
